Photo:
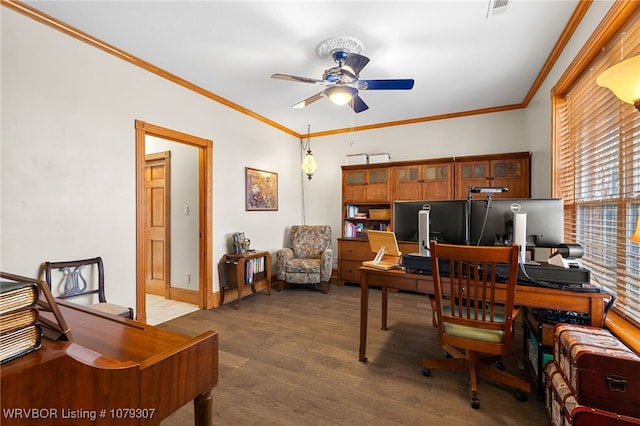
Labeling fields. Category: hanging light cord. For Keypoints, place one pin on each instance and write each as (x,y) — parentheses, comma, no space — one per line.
(306,147)
(303,152)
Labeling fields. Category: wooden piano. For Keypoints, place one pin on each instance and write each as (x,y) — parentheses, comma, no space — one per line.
(110,371)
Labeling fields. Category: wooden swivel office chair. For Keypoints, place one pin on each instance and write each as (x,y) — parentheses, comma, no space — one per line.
(474,314)
(77,279)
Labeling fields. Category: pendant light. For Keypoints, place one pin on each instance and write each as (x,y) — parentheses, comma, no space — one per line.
(309,164)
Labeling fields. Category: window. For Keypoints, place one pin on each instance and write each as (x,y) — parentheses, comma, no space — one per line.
(597,171)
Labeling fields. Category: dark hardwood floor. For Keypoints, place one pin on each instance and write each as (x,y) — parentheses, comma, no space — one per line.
(292,359)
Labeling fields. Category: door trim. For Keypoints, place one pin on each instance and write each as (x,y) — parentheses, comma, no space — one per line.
(205,147)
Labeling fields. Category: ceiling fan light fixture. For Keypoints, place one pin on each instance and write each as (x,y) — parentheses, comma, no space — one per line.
(623,79)
(341,95)
(351,44)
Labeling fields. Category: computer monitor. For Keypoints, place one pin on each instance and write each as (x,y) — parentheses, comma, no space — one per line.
(544,221)
(447,220)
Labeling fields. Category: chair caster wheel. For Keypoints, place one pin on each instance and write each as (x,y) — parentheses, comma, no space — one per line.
(521,396)
(500,365)
(426,372)
(475,403)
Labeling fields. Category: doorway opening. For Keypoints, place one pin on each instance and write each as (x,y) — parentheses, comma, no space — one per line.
(151,252)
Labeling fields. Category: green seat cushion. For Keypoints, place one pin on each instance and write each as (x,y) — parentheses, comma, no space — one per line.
(491,336)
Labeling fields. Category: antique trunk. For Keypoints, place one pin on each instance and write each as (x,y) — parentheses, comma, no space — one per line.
(601,371)
(563,409)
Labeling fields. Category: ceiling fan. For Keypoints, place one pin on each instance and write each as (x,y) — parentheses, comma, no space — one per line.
(343,83)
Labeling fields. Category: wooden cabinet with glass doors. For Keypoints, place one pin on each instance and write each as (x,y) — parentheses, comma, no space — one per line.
(423,180)
(511,171)
(366,184)
(369,191)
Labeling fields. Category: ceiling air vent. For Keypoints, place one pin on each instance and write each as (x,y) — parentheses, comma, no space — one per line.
(497,7)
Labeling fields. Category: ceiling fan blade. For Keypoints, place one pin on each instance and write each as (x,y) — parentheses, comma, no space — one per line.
(355,63)
(405,84)
(308,101)
(357,104)
(296,78)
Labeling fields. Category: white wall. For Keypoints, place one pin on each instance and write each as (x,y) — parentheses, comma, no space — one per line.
(68,170)
(520,130)
(474,135)
(68,155)
(538,113)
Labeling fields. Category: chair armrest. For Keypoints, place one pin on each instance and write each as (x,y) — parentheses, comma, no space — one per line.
(282,257)
(326,265)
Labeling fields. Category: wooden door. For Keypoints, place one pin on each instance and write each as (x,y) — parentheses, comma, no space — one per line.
(353,186)
(408,183)
(157,274)
(471,174)
(437,182)
(378,185)
(512,174)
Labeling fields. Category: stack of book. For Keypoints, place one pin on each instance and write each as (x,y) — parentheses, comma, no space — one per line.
(19,331)
(254,269)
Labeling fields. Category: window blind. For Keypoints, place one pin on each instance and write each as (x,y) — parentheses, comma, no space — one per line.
(597,173)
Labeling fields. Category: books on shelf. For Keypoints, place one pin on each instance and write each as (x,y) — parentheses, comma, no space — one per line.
(19,331)
(253,269)
(350,230)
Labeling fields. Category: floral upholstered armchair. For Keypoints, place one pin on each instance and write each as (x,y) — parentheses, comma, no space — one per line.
(309,257)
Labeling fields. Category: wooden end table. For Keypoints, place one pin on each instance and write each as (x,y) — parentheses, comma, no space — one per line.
(241,269)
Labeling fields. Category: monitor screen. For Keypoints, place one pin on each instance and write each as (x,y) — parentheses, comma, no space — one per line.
(544,224)
(447,220)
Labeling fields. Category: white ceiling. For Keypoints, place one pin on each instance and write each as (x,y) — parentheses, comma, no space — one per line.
(460,59)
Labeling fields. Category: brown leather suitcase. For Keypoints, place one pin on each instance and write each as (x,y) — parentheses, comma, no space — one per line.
(563,409)
(600,371)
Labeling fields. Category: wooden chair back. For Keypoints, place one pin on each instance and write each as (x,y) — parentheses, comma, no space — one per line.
(82,279)
(474,290)
(77,278)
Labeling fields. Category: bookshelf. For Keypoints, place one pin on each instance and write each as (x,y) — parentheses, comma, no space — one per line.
(370,190)
(244,269)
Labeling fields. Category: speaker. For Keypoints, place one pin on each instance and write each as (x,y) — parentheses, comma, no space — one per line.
(423,231)
(520,234)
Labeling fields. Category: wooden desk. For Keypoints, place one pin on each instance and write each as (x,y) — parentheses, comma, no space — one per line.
(117,370)
(539,297)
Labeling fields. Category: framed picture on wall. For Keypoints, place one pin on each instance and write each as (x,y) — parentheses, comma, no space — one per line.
(261,189)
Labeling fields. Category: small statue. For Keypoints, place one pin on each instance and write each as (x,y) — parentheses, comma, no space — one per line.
(240,243)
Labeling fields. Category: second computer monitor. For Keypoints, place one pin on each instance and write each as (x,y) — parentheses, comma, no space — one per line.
(544,221)
(447,220)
